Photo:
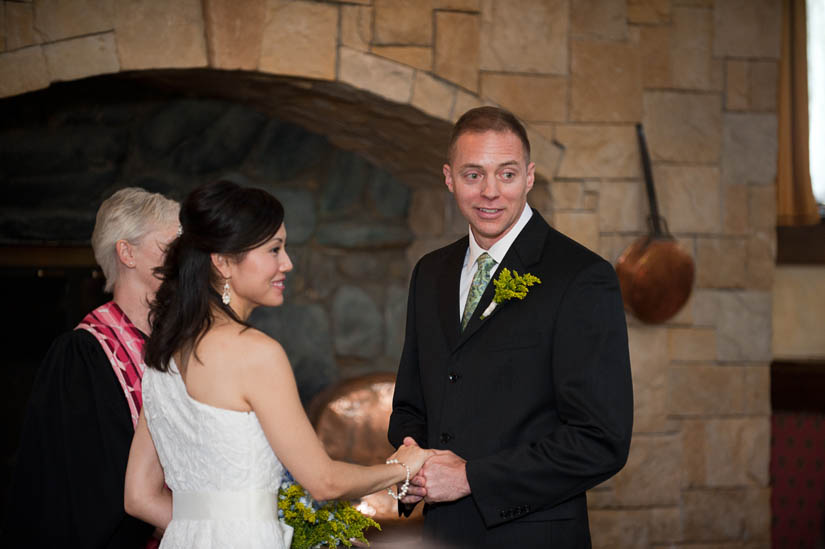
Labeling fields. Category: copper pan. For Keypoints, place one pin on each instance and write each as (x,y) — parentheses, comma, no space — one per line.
(655,272)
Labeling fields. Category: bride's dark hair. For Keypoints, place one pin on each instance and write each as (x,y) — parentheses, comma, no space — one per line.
(219,217)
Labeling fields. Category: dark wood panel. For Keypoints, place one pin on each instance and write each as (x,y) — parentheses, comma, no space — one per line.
(801,245)
(798,386)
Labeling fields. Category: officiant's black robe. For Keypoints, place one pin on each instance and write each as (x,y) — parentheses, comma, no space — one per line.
(67,487)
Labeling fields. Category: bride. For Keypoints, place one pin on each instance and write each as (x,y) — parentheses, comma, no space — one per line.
(221,415)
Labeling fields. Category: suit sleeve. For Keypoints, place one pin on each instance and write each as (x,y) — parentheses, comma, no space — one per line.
(594,400)
(409,414)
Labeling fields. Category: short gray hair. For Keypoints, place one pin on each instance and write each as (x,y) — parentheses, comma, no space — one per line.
(129,214)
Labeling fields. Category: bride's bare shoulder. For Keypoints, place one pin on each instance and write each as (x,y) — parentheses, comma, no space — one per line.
(259,347)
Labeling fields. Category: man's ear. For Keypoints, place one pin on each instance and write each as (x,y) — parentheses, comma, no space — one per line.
(531,175)
(220,263)
(448,177)
(125,253)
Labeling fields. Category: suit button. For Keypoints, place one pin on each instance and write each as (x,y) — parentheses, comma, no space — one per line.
(446,437)
(502,514)
(452,377)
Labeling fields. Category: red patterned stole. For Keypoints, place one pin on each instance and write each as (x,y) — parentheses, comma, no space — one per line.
(123,344)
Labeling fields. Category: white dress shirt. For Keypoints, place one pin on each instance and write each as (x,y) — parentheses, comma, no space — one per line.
(497,251)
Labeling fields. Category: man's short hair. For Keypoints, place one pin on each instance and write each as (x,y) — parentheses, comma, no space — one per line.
(482,119)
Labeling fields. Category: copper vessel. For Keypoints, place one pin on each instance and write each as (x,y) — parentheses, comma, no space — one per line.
(655,272)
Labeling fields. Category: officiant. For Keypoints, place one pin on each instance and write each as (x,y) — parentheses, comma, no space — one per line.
(67,486)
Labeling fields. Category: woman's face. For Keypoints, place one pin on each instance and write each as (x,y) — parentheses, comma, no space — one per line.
(148,254)
(259,278)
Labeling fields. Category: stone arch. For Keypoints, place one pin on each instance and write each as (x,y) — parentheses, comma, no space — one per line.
(309,54)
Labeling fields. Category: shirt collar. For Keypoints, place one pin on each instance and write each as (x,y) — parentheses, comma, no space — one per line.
(498,250)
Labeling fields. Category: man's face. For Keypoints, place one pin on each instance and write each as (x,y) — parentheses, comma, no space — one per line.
(489,176)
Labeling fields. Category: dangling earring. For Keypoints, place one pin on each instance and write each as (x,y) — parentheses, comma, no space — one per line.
(226,297)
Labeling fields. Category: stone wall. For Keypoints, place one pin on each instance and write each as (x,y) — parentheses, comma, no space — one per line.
(345,217)
(699,74)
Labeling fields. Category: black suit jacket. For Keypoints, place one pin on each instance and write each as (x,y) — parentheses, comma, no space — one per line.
(537,397)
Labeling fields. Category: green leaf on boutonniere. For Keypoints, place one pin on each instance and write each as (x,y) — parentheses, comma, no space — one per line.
(512,285)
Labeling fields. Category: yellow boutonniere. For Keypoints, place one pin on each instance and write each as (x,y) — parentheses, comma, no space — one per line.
(510,285)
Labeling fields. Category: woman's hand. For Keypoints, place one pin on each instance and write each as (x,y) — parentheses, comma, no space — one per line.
(413,456)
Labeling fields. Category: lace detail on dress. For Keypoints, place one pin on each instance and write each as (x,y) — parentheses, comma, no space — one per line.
(204,449)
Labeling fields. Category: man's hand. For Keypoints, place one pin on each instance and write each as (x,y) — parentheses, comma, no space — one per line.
(444,476)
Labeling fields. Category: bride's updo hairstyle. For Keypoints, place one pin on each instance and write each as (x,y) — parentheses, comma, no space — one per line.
(220,217)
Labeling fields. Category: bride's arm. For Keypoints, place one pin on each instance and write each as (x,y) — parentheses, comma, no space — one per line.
(270,389)
(146,496)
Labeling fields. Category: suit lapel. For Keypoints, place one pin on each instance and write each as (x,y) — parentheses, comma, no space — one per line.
(525,252)
(448,286)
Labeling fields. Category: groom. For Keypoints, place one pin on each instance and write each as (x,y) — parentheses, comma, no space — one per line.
(529,400)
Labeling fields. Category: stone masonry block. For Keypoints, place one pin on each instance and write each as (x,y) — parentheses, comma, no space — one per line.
(420,57)
(762,207)
(726,452)
(761,251)
(683,127)
(711,515)
(567,195)
(606,83)
(433,96)
(528,36)
(531,98)
(2,27)
(649,357)
(747,28)
(691,344)
(148,31)
(651,475)
(622,206)
(300,39)
(427,211)
(356,27)
(81,57)
(611,528)
(464,102)
(19,27)
(457,41)
(749,148)
(735,209)
(720,262)
(58,19)
(690,54)
(700,390)
(648,11)
(460,5)
(583,227)
(654,49)
(545,153)
(234,31)
(689,198)
(763,85)
(603,19)
(599,151)
(23,71)
(403,22)
(744,326)
(376,74)
(737,85)
(738,451)
(757,383)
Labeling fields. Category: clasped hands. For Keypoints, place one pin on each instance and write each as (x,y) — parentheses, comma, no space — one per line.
(442,477)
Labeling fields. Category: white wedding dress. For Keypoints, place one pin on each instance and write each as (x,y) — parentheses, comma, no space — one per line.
(223,474)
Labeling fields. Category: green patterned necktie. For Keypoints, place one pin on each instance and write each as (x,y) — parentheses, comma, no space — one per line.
(480,281)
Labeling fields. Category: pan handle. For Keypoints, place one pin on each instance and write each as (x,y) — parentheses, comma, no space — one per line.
(655,220)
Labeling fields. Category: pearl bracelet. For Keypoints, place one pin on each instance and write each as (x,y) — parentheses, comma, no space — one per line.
(404,487)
